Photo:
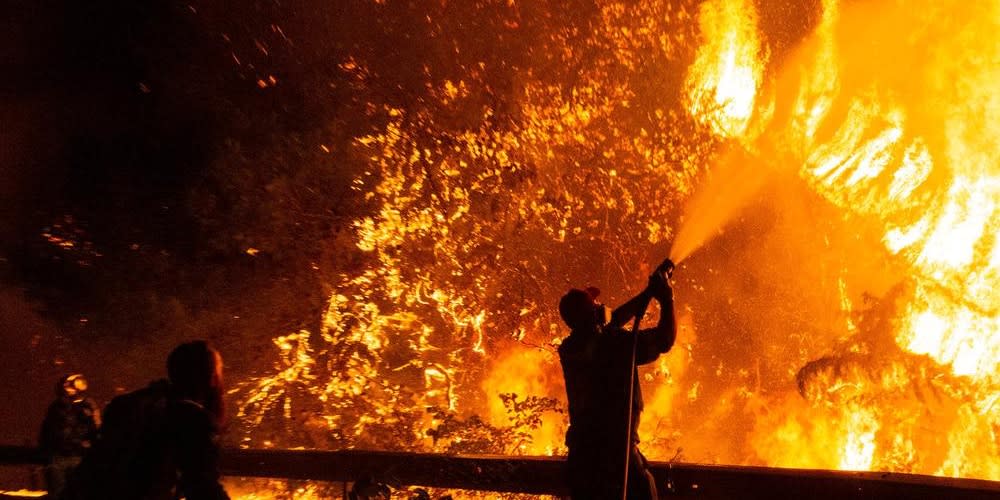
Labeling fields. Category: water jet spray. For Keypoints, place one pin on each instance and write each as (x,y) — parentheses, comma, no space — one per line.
(727,188)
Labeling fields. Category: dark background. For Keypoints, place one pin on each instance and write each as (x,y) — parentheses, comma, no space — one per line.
(146,147)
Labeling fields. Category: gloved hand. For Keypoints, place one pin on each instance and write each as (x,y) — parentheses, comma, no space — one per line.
(659,287)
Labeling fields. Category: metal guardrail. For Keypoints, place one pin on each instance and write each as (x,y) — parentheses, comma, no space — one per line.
(544,475)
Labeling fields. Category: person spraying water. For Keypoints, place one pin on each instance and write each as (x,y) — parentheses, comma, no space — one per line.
(600,357)
(599,360)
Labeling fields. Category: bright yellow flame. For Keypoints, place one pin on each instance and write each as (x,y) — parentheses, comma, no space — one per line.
(723,81)
(527,372)
(23,493)
(859,445)
(952,334)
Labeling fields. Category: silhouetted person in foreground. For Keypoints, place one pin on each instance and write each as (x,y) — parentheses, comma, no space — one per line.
(597,365)
(69,429)
(160,442)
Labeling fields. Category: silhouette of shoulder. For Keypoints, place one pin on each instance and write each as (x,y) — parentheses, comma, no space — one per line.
(187,415)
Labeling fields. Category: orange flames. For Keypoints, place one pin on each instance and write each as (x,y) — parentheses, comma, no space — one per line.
(887,113)
(723,81)
(905,141)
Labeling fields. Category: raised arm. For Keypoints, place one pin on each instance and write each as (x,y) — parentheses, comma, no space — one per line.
(625,312)
(666,329)
(658,340)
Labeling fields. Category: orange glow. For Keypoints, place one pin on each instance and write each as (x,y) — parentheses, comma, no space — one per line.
(863,145)
(527,372)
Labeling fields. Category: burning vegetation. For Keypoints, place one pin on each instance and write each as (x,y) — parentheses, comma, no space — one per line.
(845,319)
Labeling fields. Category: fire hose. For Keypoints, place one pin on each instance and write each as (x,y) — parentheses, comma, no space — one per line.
(665,271)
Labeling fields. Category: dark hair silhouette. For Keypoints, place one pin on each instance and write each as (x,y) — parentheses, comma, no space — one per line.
(195,372)
(577,307)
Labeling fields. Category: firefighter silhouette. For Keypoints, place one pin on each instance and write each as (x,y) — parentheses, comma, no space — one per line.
(69,428)
(599,360)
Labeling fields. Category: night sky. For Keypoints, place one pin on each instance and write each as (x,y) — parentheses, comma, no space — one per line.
(147,146)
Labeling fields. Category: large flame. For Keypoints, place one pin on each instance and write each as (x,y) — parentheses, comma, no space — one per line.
(722,83)
(909,142)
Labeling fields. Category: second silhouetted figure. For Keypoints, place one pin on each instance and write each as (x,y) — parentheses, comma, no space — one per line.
(160,442)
